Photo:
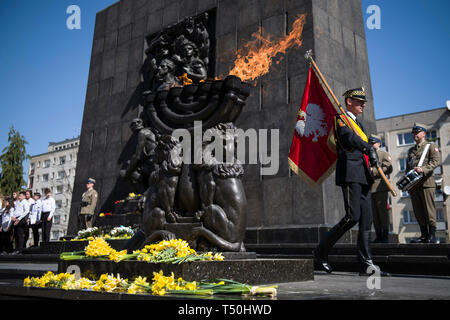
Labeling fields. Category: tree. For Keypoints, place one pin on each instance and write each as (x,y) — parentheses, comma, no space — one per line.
(11,163)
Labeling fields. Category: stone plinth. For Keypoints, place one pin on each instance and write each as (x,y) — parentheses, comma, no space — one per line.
(250,271)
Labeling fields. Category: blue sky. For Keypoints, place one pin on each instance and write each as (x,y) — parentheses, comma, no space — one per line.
(44,66)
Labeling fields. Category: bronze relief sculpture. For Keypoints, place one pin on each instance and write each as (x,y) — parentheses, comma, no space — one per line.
(203,202)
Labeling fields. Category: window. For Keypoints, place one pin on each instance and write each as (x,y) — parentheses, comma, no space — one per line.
(64,218)
(62,160)
(59,189)
(402,164)
(56,219)
(440,215)
(438,170)
(70,157)
(37,178)
(58,204)
(55,235)
(45,177)
(432,136)
(32,166)
(404,139)
(47,163)
(408,217)
(61,175)
(439,196)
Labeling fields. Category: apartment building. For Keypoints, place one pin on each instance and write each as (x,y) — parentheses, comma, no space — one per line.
(55,169)
(397,139)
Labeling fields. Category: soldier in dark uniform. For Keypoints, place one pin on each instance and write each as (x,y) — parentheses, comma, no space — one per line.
(353,175)
(380,192)
(423,193)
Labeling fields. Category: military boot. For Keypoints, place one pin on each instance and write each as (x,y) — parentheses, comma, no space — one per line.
(320,254)
(432,236)
(423,237)
(378,236)
(384,236)
(367,267)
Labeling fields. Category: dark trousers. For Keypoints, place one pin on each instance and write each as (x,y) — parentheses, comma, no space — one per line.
(35,228)
(46,226)
(19,236)
(26,234)
(358,208)
(5,241)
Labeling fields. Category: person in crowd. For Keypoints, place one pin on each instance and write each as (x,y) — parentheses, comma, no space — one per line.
(35,218)
(423,193)
(48,210)
(26,229)
(88,204)
(354,177)
(15,197)
(20,219)
(380,192)
(2,199)
(6,226)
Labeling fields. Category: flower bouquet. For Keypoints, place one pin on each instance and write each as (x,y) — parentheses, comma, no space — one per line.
(88,233)
(173,251)
(96,249)
(161,285)
(121,233)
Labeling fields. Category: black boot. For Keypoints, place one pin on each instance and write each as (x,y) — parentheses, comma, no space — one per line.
(432,236)
(135,242)
(365,258)
(320,254)
(378,237)
(423,237)
(384,236)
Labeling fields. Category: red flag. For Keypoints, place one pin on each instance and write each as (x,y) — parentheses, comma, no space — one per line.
(313,150)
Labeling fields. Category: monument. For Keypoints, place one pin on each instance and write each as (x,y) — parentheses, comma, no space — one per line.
(157,66)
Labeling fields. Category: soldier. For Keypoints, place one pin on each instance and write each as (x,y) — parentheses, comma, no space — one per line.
(353,175)
(88,204)
(380,192)
(423,193)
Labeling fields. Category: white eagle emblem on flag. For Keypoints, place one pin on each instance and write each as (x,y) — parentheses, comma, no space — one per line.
(312,123)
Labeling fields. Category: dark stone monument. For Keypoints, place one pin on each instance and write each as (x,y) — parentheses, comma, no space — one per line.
(143,53)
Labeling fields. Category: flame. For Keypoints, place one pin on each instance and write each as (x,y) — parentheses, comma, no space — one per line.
(256,57)
(185,79)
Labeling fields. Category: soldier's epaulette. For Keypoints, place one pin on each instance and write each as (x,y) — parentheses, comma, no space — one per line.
(340,122)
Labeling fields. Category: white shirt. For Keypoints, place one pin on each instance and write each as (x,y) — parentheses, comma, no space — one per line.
(22,209)
(36,210)
(30,202)
(351,115)
(6,218)
(49,205)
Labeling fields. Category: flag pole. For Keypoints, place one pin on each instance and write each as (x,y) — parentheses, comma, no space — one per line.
(341,111)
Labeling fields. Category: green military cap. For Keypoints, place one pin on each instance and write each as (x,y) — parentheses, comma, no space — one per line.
(374,139)
(358,94)
(419,127)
